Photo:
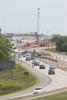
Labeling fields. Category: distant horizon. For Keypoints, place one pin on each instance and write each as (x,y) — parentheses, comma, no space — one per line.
(30,34)
(20,16)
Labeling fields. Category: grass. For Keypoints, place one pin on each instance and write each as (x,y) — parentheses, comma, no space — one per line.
(54,50)
(15,83)
(59,96)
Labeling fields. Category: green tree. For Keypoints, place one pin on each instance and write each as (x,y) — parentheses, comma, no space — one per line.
(59,40)
(55,38)
(5,47)
(59,43)
(65,47)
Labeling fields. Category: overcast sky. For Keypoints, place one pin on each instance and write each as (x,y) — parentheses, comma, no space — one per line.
(21,16)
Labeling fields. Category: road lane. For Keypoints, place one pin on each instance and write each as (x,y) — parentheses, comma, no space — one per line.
(59,80)
(43,81)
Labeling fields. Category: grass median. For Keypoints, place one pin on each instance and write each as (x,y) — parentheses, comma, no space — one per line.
(55,51)
(17,82)
(59,96)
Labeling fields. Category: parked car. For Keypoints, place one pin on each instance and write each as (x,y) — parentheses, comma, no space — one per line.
(42,66)
(34,62)
(38,90)
(51,71)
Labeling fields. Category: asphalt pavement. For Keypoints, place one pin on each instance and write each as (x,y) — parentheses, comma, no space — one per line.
(43,81)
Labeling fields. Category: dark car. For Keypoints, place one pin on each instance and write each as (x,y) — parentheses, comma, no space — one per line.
(34,62)
(51,71)
(42,66)
(38,54)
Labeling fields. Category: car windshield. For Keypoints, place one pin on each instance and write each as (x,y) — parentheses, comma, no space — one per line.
(38,88)
(42,65)
(51,69)
(52,66)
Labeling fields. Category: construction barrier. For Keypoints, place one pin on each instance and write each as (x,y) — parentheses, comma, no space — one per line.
(64,58)
(52,56)
(56,57)
(59,57)
(33,65)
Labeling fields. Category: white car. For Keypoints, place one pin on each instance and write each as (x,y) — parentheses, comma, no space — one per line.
(38,90)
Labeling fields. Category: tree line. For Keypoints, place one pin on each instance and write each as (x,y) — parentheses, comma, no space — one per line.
(5,47)
(61,43)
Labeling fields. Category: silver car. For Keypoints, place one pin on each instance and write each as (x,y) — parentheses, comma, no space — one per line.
(52,66)
(51,71)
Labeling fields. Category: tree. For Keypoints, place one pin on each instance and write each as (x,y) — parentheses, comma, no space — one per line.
(55,38)
(5,47)
(65,47)
(59,43)
(59,40)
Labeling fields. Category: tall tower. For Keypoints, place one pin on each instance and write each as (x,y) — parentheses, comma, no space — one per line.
(38,17)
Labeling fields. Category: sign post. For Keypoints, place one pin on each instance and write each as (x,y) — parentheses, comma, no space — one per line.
(26,78)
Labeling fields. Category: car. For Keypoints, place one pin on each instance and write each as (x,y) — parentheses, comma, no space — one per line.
(52,66)
(19,56)
(42,45)
(39,54)
(28,54)
(51,71)
(28,58)
(38,90)
(34,62)
(24,55)
(42,66)
(33,57)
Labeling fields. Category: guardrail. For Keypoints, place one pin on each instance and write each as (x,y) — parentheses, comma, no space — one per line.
(47,58)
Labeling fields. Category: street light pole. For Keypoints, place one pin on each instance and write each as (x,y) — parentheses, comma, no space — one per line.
(48,40)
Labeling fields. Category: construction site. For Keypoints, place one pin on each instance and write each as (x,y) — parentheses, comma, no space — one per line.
(37,42)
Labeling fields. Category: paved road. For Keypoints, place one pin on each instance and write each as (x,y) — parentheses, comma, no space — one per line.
(42,49)
(43,81)
(59,80)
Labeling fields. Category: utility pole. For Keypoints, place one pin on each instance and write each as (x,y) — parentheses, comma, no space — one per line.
(38,17)
(19,31)
(4,26)
(48,39)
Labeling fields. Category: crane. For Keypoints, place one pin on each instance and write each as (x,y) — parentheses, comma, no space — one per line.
(38,17)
